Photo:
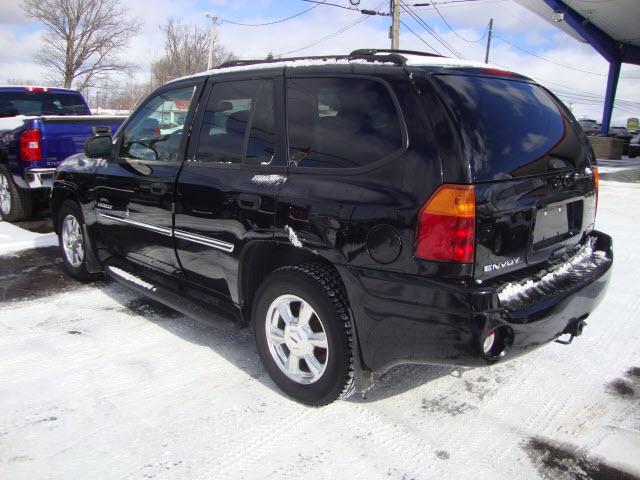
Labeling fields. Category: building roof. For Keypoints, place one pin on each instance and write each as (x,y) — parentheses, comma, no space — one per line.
(619,19)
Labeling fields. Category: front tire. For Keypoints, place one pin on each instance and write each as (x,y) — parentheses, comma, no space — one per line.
(73,244)
(15,203)
(303,333)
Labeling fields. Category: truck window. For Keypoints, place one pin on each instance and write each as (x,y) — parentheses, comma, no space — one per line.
(155,131)
(340,122)
(235,110)
(41,103)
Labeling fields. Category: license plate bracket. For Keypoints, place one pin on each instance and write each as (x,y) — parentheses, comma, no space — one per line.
(552,222)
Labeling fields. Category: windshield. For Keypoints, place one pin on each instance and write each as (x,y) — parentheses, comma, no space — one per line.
(41,103)
(513,128)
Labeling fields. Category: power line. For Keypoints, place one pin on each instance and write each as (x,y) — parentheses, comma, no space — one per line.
(354,9)
(429,4)
(456,33)
(553,61)
(419,37)
(431,31)
(274,22)
(470,3)
(331,35)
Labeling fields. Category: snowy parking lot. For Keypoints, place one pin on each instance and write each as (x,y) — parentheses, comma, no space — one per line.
(100,383)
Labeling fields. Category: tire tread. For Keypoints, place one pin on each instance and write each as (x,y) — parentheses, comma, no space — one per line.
(329,280)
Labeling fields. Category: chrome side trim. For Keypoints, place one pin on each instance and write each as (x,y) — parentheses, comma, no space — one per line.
(209,242)
(146,226)
(191,237)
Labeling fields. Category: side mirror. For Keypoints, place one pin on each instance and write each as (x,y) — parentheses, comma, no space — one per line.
(100,146)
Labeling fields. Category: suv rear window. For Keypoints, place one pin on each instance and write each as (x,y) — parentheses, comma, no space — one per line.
(514,128)
(340,122)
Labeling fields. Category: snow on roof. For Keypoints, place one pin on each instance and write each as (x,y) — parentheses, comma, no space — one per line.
(414,60)
(421,60)
(309,62)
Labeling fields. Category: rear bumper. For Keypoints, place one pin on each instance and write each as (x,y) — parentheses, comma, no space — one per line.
(33,178)
(409,319)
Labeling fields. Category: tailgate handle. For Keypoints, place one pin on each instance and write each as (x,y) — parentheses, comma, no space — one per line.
(101,130)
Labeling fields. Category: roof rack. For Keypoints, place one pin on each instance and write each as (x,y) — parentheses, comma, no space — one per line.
(240,63)
(373,51)
(369,54)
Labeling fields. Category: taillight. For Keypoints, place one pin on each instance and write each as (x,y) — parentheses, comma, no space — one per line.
(30,145)
(596,181)
(446,229)
(36,89)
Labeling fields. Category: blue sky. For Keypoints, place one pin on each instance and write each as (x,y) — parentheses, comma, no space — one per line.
(564,57)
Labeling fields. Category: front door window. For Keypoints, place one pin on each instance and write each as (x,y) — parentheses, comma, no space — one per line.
(155,132)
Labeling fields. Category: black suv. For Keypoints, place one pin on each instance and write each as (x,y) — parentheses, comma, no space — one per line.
(360,211)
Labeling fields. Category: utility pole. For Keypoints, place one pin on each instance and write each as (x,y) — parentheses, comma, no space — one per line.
(486,56)
(394,33)
(212,39)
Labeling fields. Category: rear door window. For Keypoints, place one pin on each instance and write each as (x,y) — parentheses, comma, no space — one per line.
(238,123)
(514,128)
(340,122)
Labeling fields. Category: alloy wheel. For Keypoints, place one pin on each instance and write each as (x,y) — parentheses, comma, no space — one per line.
(72,241)
(5,195)
(297,339)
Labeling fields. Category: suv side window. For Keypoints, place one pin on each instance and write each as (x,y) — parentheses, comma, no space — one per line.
(340,122)
(238,123)
(155,131)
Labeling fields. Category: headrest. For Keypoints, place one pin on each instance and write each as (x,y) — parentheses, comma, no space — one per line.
(224,106)
(238,120)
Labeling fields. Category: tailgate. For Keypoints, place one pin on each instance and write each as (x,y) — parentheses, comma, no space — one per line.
(63,136)
(532,167)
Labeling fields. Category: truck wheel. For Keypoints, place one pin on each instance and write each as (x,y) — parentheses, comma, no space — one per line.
(303,333)
(72,242)
(15,203)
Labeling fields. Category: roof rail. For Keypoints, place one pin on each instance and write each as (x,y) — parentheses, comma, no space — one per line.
(373,51)
(392,56)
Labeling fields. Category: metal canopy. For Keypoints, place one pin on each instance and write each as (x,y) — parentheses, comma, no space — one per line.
(611,27)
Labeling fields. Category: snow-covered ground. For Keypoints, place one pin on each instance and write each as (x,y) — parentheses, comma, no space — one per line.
(98,383)
(13,239)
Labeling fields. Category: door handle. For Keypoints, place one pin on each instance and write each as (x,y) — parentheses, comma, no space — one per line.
(249,202)
(158,188)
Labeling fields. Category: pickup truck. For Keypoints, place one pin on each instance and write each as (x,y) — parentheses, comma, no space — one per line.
(39,128)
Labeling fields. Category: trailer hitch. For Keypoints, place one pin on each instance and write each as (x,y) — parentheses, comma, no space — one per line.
(574,329)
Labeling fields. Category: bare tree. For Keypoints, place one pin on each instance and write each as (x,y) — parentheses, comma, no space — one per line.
(186,48)
(19,81)
(126,95)
(82,38)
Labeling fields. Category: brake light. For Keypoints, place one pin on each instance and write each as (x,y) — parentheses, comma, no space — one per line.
(446,227)
(30,145)
(36,89)
(502,73)
(596,181)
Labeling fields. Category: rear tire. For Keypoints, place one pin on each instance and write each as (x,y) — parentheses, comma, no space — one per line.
(15,203)
(310,356)
(73,244)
